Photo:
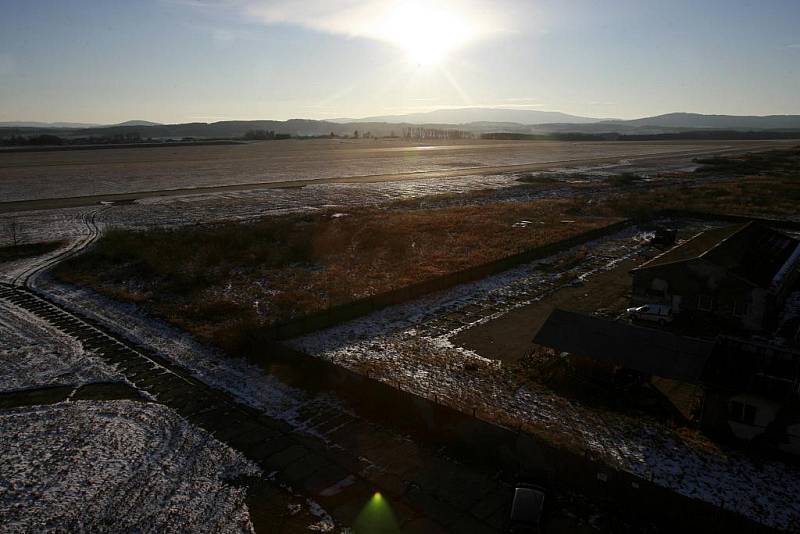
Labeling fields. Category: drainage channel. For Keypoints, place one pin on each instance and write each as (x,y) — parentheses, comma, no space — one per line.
(298,461)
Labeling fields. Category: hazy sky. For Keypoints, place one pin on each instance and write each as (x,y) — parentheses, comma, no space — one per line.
(201,60)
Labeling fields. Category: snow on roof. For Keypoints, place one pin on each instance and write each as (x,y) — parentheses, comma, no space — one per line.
(751,251)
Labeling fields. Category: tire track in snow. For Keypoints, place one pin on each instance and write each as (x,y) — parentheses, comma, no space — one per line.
(28,277)
(297,461)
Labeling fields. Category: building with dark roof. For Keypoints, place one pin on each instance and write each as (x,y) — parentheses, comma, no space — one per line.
(750,390)
(736,275)
(648,351)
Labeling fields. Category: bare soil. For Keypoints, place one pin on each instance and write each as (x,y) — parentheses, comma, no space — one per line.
(509,338)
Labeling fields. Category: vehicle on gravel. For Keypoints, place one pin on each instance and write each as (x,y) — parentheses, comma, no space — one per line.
(656,313)
(664,237)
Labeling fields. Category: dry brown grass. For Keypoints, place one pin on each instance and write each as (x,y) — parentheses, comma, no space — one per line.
(763,184)
(757,196)
(217,281)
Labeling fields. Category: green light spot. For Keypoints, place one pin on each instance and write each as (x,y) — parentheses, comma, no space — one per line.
(376,517)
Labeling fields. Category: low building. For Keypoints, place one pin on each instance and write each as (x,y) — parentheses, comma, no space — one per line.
(611,353)
(734,276)
(618,345)
(750,390)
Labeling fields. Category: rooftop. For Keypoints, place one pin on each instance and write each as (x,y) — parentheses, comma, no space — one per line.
(751,251)
(647,350)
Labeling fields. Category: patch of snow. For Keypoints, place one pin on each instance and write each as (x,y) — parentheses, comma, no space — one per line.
(33,353)
(116,465)
(337,488)
(325,523)
(248,382)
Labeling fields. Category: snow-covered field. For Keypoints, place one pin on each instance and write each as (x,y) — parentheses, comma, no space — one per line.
(75,466)
(34,354)
(72,466)
(91,172)
(246,381)
(116,466)
(45,225)
(210,207)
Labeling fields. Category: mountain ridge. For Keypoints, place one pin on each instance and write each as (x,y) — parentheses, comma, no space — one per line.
(659,124)
(480,114)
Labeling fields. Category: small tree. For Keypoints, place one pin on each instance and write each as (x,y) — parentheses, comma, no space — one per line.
(12,229)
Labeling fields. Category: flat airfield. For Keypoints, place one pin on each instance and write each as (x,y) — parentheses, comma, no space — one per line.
(41,180)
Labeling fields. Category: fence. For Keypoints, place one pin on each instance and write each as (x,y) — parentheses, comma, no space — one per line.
(526,455)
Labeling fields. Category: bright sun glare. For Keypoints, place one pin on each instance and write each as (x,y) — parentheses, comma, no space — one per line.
(427,33)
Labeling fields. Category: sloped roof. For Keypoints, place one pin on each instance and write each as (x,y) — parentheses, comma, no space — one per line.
(753,252)
(694,247)
(647,350)
(734,362)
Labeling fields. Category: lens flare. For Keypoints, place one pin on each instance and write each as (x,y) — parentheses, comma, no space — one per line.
(427,33)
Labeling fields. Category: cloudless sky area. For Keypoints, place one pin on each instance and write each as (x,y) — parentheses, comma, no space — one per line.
(108,61)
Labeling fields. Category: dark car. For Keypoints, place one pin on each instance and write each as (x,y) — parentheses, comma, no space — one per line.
(526,509)
(664,237)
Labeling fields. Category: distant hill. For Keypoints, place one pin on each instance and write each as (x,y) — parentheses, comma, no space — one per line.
(533,121)
(492,121)
(137,123)
(72,125)
(471,115)
(33,124)
(717,122)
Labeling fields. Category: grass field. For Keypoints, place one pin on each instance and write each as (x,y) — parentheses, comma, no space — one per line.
(220,281)
(762,185)
(216,280)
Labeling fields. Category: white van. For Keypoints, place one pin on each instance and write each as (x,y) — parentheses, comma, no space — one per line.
(657,313)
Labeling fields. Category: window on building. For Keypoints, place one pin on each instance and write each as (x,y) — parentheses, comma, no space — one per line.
(742,413)
(705,303)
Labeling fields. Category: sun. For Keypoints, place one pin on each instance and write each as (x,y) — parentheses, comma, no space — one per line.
(428,34)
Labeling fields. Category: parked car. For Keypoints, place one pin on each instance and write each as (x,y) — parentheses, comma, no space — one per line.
(664,237)
(526,509)
(657,313)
